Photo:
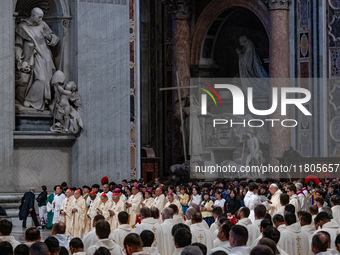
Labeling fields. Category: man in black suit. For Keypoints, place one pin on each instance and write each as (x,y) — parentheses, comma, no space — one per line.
(27,207)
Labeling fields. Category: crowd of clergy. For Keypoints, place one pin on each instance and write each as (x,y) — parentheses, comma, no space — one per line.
(235,217)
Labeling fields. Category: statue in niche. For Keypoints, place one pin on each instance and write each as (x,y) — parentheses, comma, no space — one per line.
(66,118)
(33,39)
(255,156)
(251,68)
(194,127)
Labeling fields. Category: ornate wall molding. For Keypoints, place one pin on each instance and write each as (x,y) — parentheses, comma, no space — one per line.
(180,9)
(279,4)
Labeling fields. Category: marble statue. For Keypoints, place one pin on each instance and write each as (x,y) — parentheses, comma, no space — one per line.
(65,106)
(33,39)
(250,67)
(254,156)
(194,127)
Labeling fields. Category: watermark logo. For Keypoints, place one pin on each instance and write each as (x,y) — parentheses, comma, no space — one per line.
(239,99)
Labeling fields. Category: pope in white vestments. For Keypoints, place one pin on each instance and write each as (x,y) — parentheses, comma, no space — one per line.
(275,203)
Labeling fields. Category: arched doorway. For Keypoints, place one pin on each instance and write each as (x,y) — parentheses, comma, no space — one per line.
(217,34)
(222,40)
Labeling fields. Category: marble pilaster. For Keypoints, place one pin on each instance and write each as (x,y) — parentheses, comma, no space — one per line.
(6,93)
(103,82)
(180,10)
(279,70)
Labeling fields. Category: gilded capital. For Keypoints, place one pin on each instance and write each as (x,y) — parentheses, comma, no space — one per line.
(279,4)
(180,9)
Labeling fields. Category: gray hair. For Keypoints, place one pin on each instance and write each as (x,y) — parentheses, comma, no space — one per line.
(189,250)
(328,211)
(190,213)
(298,186)
(168,213)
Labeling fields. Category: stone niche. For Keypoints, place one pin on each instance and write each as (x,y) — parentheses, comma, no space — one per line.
(93,51)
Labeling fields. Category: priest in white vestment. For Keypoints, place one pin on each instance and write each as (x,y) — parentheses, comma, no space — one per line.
(293,240)
(160,199)
(104,206)
(325,223)
(293,198)
(251,199)
(117,207)
(301,196)
(92,211)
(57,202)
(190,213)
(103,232)
(182,238)
(307,224)
(148,237)
(149,200)
(106,190)
(238,236)
(167,225)
(123,229)
(149,223)
(335,207)
(253,230)
(122,197)
(223,236)
(320,244)
(174,201)
(133,204)
(91,238)
(199,233)
(274,203)
(5,235)
(78,206)
(66,211)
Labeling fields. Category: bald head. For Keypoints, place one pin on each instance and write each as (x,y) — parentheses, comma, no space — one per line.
(37,11)
(321,242)
(32,189)
(36,16)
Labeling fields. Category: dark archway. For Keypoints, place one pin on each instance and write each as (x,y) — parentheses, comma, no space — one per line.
(222,39)
(217,10)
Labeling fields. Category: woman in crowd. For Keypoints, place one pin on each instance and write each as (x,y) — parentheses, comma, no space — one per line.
(183,199)
(206,209)
(219,199)
(195,197)
(232,204)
